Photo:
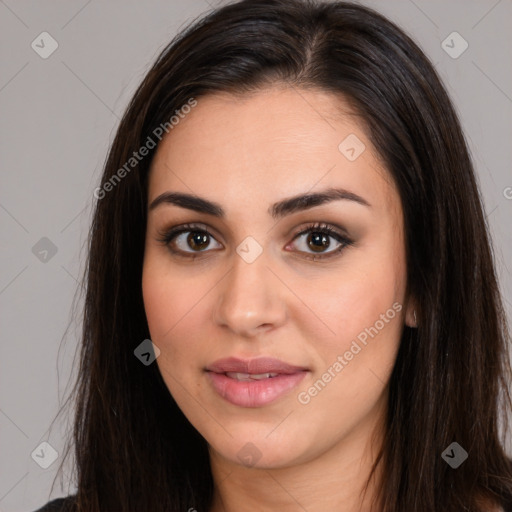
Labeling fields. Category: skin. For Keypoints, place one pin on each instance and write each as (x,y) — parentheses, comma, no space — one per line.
(246,153)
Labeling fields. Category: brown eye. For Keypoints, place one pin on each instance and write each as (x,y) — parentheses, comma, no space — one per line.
(318,241)
(187,240)
(315,240)
(198,240)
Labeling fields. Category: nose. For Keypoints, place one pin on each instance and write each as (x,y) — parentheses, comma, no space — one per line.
(251,299)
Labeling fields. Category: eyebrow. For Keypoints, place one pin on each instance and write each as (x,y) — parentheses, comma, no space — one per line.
(277,210)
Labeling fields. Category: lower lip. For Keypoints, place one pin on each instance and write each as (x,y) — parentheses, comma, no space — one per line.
(254,393)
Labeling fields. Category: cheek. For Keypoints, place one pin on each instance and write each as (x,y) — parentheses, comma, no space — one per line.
(169,296)
(166,304)
(178,306)
(176,309)
(353,364)
(169,301)
(355,300)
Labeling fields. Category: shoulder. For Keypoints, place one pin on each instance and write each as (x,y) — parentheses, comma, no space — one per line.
(66,504)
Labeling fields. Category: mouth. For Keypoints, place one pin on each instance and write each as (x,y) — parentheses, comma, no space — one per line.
(247,377)
(255,382)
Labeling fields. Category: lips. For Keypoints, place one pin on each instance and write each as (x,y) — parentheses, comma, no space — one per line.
(253,382)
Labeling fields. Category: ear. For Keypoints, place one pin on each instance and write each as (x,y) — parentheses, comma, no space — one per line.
(412,314)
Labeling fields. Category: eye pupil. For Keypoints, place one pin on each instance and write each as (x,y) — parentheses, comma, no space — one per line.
(197,240)
(318,238)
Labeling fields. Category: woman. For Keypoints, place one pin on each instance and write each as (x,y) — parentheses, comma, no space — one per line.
(291,299)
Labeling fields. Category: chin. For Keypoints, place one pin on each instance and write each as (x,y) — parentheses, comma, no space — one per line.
(260,450)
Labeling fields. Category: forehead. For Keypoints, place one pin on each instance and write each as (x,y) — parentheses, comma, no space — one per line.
(260,147)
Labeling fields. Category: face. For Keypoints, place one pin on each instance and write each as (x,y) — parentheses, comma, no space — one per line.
(249,273)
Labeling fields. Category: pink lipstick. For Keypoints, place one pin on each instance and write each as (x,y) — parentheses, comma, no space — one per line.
(253,382)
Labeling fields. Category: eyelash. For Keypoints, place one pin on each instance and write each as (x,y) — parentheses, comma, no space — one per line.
(167,236)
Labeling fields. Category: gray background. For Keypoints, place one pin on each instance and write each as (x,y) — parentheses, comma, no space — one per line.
(58,116)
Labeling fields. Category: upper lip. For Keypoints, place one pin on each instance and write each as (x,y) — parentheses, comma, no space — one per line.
(253,366)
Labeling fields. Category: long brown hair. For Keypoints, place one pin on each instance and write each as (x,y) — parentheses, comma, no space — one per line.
(134,448)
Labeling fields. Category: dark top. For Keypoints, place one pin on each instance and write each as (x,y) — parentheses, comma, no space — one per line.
(68,505)
(59,505)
